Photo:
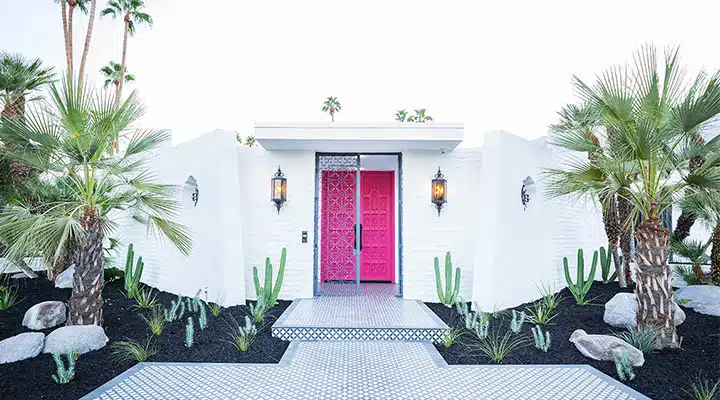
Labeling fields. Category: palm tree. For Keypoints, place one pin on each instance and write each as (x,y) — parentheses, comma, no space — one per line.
(419,116)
(112,74)
(578,130)
(706,206)
(331,105)
(67,8)
(71,136)
(655,115)
(687,219)
(88,38)
(401,115)
(133,15)
(694,251)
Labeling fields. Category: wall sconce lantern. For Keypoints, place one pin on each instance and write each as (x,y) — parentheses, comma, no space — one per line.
(439,190)
(527,192)
(278,189)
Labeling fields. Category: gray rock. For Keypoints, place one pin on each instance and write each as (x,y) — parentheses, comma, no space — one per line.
(621,311)
(65,279)
(45,315)
(602,347)
(704,299)
(23,346)
(75,338)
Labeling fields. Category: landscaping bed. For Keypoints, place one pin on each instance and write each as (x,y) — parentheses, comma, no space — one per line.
(666,374)
(31,379)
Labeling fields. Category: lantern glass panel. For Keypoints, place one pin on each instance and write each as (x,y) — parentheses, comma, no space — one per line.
(279,189)
(439,192)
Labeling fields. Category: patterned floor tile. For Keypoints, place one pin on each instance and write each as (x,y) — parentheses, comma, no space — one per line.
(362,370)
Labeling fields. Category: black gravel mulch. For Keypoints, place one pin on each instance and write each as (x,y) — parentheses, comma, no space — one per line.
(667,374)
(31,379)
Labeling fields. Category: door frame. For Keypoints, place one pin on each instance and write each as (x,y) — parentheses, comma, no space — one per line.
(398,203)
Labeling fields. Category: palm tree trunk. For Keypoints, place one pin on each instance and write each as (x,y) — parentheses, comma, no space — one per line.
(16,110)
(71,64)
(86,299)
(655,296)
(88,38)
(63,9)
(682,229)
(715,256)
(624,208)
(118,93)
(612,230)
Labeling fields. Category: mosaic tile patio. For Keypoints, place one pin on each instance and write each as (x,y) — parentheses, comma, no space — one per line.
(375,314)
(361,370)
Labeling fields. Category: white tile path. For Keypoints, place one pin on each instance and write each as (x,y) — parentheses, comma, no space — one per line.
(361,370)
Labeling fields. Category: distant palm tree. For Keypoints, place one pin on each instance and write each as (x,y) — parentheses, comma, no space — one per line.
(401,115)
(331,105)
(694,251)
(112,74)
(132,13)
(706,207)
(419,116)
(67,8)
(88,38)
(19,77)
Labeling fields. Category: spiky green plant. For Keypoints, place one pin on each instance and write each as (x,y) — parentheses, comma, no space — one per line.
(481,327)
(605,264)
(268,292)
(580,288)
(497,348)
(131,350)
(215,308)
(542,342)
(133,273)
(549,297)
(450,337)
(517,320)
(176,311)
(202,315)
(64,374)
(189,332)
(258,310)
(8,296)
(157,321)
(144,298)
(704,389)
(644,339)
(450,294)
(243,336)
(695,252)
(623,366)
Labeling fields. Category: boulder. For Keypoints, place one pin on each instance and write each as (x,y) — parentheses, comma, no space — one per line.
(23,346)
(704,299)
(602,347)
(621,311)
(45,315)
(75,338)
(65,279)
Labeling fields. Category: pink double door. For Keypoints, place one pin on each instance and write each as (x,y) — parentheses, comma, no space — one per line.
(377,219)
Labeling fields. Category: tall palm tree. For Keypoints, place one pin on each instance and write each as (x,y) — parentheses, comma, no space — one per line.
(132,14)
(706,206)
(72,136)
(112,74)
(401,115)
(655,115)
(331,106)
(88,38)
(67,8)
(579,129)
(419,116)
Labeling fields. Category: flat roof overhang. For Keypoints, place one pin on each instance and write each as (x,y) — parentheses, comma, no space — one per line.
(359,137)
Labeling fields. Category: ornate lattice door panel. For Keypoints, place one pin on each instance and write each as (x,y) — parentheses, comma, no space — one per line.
(377,211)
(338,176)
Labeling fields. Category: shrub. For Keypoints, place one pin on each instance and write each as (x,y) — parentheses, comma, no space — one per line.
(686,274)
(243,336)
(216,306)
(189,332)
(450,294)
(542,342)
(623,366)
(517,321)
(268,292)
(539,313)
(450,336)
(131,350)
(497,348)
(581,288)
(132,274)
(145,299)
(703,389)
(64,374)
(157,321)
(645,339)
(8,297)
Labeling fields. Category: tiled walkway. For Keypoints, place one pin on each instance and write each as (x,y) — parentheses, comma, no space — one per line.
(361,370)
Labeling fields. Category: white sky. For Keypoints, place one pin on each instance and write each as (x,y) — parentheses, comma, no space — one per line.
(491,65)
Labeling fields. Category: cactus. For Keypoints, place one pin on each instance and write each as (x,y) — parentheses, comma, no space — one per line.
(268,292)
(605,264)
(132,274)
(482,327)
(450,294)
(64,375)
(189,332)
(202,318)
(623,366)
(581,288)
(542,342)
(517,321)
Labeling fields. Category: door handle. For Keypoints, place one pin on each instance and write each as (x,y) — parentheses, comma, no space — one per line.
(355,241)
